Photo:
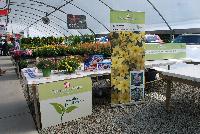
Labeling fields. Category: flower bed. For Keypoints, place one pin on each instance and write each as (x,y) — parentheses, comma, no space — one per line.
(79,49)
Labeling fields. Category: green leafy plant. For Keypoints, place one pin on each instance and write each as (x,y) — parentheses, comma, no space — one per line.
(23,64)
(60,109)
(46,64)
(73,40)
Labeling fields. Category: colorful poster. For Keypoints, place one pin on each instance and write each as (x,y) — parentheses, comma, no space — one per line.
(4,11)
(64,101)
(76,21)
(104,66)
(137,78)
(165,51)
(137,94)
(2,29)
(91,63)
(127,40)
(137,85)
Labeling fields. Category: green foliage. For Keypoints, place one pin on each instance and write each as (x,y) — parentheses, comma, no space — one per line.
(50,51)
(37,41)
(46,64)
(58,107)
(87,38)
(62,110)
(23,64)
(70,109)
(73,40)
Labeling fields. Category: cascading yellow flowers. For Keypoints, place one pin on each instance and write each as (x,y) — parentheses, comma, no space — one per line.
(127,55)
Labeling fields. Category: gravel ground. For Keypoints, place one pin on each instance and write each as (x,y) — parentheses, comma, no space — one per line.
(149,117)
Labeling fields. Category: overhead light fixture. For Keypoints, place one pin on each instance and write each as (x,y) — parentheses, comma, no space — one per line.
(45,19)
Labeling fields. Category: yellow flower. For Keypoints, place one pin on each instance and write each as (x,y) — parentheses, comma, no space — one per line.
(136,60)
(123,85)
(114,81)
(142,34)
(142,51)
(114,97)
(123,70)
(133,37)
(116,50)
(119,78)
(124,97)
(124,54)
(130,34)
(135,49)
(130,46)
(139,38)
(122,36)
(116,61)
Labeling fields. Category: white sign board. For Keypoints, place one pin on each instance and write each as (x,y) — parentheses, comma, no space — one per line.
(64,101)
(2,29)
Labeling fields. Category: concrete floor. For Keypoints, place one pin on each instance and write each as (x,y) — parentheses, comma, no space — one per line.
(15,117)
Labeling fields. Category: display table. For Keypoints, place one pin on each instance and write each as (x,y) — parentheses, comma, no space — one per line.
(188,74)
(60,97)
(158,63)
(65,97)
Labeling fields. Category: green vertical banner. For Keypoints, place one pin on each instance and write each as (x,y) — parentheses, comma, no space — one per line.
(127,40)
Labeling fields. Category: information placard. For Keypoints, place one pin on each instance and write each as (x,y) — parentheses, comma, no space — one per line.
(64,101)
(165,51)
(127,40)
(76,21)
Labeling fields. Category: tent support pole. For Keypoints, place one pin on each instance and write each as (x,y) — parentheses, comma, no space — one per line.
(171,30)
(93,33)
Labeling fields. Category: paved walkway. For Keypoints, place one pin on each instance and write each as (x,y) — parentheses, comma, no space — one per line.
(15,117)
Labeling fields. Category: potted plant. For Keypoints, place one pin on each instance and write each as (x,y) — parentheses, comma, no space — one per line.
(68,64)
(46,66)
(23,64)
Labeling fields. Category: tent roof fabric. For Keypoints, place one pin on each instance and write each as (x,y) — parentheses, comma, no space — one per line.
(26,15)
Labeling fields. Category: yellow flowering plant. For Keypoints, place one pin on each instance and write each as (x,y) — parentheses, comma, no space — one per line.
(127,55)
(68,64)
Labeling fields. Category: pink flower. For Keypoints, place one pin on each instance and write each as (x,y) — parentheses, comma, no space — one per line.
(66,84)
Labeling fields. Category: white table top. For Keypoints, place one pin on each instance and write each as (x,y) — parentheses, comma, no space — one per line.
(157,63)
(31,76)
(184,71)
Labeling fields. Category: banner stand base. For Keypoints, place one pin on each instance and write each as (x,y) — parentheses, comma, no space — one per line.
(129,104)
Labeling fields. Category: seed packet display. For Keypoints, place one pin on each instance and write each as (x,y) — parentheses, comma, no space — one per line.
(137,78)
(104,66)
(92,61)
(137,85)
(136,93)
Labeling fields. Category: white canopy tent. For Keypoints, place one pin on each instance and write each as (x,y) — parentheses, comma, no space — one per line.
(26,15)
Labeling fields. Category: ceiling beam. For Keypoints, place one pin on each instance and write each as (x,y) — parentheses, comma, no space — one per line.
(35,27)
(77,8)
(58,8)
(17,10)
(64,21)
(31,19)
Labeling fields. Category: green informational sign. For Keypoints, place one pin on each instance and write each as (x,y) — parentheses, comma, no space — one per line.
(64,88)
(165,51)
(127,39)
(127,17)
(126,21)
(65,100)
